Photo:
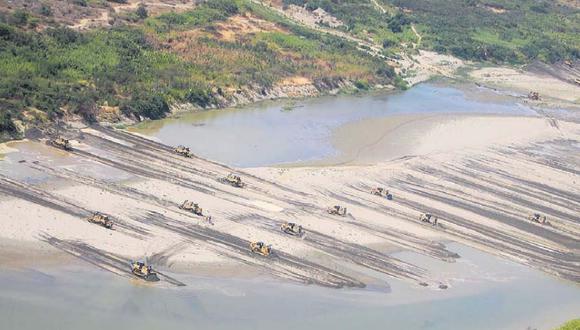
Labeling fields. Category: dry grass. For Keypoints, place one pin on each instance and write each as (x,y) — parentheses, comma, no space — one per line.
(239,26)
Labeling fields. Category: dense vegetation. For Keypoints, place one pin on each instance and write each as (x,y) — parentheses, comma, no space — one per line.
(515,31)
(571,325)
(173,57)
(151,61)
(512,31)
(366,20)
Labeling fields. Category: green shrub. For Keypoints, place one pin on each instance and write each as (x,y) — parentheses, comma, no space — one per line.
(153,106)
(570,325)
(361,85)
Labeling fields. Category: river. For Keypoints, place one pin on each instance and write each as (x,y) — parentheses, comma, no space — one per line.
(266,133)
(485,292)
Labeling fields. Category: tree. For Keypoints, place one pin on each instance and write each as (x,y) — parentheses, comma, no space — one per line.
(142,11)
(146,105)
(45,10)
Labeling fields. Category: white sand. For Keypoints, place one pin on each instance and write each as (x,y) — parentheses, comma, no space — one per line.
(438,141)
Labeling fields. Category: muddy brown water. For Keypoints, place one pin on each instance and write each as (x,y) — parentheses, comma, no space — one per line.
(485,293)
(267,134)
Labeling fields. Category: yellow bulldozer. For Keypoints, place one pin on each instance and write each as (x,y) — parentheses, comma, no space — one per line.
(337,210)
(382,192)
(193,208)
(101,219)
(61,143)
(538,218)
(141,270)
(233,180)
(429,219)
(261,248)
(183,151)
(291,228)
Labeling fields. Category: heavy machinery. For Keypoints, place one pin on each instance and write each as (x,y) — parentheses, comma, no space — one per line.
(261,248)
(183,151)
(538,218)
(337,210)
(61,143)
(291,228)
(382,192)
(101,219)
(428,218)
(233,180)
(143,271)
(193,208)
(534,96)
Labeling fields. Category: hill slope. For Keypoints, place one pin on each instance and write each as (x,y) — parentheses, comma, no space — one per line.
(103,60)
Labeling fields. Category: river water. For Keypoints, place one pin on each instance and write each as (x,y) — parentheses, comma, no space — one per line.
(267,134)
(485,293)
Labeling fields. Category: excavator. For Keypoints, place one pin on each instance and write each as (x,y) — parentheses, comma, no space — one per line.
(261,248)
(183,151)
(429,218)
(143,271)
(538,218)
(382,192)
(101,219)
(61,143)
(337,210)
(291,228)
(233,180)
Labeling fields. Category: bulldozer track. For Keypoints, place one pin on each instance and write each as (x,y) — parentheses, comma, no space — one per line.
(110,262)
(282,263)
(352,252)
(46,199)
(507,198)
(146,143)
(564,264)
(171,170)
(403,239)
(477,208)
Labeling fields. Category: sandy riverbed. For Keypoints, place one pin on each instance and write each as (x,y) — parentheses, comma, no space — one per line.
(482,175)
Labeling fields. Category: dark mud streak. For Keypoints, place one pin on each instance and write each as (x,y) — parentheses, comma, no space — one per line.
(559,263)
(352,252)
(51,201)
(161,147)
(514,197)
(145,170)
(41,200)
(110,262)
(569,199)
(526,226)
(397,237)
(278,264)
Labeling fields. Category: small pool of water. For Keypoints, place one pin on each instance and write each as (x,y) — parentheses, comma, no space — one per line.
(267,134)
(485,293)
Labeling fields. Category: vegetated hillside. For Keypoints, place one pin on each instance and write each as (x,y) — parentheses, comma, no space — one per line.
(205,56)
(515,31)
(98,58)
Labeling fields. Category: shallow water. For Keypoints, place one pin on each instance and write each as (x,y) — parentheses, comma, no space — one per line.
(266,134)
(485,293)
